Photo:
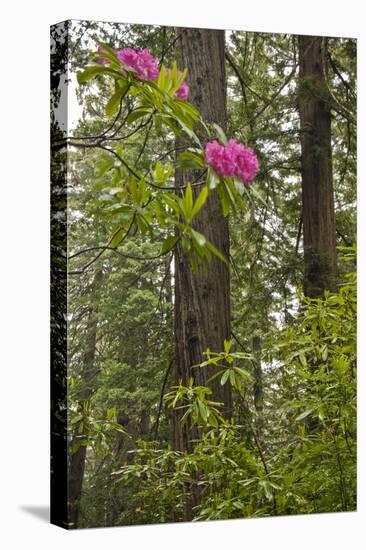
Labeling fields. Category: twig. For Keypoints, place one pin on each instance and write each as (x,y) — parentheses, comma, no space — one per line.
(167,372)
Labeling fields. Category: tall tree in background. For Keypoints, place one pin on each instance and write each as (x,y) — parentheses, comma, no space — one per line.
(202,300)
(316,159)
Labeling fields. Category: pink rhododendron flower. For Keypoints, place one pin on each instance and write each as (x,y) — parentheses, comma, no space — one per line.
(213,156)
(183,91)
(232,159)
(102,60)
(247,165)
(141,62)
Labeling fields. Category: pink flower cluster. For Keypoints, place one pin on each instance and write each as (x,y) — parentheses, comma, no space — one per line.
(141,62)
(144,65)
(232,159)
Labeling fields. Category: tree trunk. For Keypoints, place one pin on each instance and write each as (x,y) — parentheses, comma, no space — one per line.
(77,459)
(202,300)
(320,260)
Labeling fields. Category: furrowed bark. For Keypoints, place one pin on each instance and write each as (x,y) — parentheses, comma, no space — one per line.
(320,258)
(202,300)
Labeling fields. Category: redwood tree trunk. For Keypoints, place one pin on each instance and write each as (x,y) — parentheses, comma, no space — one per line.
(202,300)
(77,459)
(320,261)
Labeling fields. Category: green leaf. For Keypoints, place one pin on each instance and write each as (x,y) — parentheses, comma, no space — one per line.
(203,410)
(232,378)
(212,179)
(243,373)
(92,71)
(217,253)
(188,159)
(188,202)
(220,134)
(186,245)
(225,376)
(104,166)
(267,489)
(227,345)
(169,243)
(303,415)
(239,186)
(199,238)
(224,200)
(117,237)
(107,48)
(201,199)
(138,113)
(302,359)
(114,102)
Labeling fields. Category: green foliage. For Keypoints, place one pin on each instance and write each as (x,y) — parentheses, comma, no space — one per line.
(227,362)
(314,381)
(87,430)
(193,400)
(142,200)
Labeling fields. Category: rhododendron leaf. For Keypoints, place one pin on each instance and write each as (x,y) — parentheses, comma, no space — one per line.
(186,245)
(138,113)
(225,377)
(188,202)
(217,253)
(171,201)
(220,134)
(204,412)
(188,109)
(114,102)
(230,189)
(201,199)
(212,179)
(303,415)
(199,238)
(161,81)
(107,48)
(143,224)
(188,131)
(104,166)
(188,159)
(243,373)
(174,72)
(118,235)
(90,72)
(227,345)
(239,186)
(302,359)
(97,56)
(224,200)
(232,378)
(169,243)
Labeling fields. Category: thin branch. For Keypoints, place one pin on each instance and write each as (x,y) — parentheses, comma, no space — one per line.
(157,422)
(274,96)
(240,77)
(103,134)
(299,235)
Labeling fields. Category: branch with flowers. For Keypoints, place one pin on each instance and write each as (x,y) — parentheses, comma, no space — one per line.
(141,200)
